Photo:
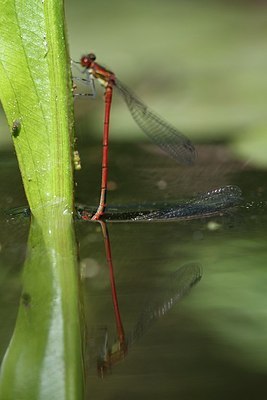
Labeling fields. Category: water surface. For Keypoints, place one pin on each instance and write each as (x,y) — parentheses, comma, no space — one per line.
(212,343)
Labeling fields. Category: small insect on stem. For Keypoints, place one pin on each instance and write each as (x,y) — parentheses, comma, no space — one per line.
(16,128)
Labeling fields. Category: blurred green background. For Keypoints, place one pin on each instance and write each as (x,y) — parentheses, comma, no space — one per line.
(200,64)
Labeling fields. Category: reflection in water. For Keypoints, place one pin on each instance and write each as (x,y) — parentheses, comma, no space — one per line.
(212,346)
(110,357)
(180,283)
(46,344)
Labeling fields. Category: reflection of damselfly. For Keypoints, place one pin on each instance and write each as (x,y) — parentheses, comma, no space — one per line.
(161,132)
(178,285)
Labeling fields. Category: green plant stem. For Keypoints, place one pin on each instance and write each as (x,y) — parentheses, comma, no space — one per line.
(44,359)
(35,90)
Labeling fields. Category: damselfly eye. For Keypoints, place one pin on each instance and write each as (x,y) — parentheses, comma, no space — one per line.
(87,60)
(91,56)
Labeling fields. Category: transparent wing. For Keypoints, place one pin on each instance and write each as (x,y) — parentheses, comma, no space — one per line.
(203,205)
(167,137)
(180,283)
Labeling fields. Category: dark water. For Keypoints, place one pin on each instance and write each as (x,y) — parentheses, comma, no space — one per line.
(211,343)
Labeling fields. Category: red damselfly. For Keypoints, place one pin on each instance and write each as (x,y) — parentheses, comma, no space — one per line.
(161,132)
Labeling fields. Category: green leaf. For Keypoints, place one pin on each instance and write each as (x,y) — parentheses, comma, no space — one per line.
(35,90)
(44,359)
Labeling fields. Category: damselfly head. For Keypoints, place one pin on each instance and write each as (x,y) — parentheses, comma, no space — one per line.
(103,368)
(87,60)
